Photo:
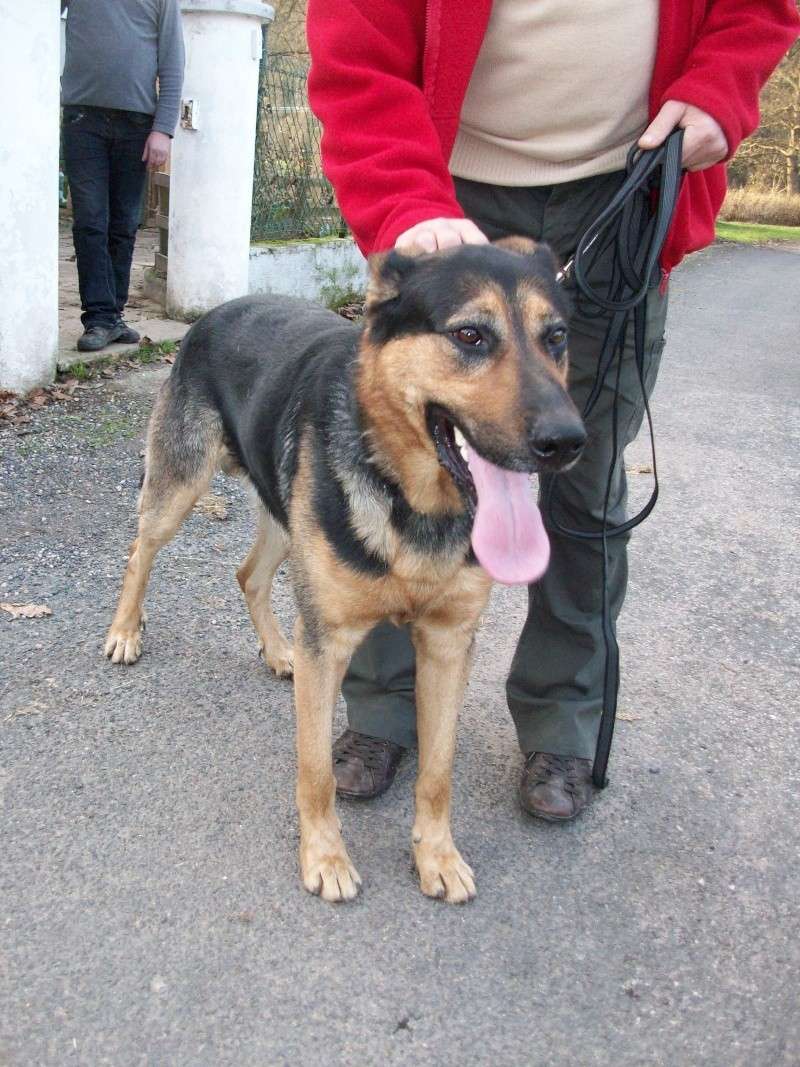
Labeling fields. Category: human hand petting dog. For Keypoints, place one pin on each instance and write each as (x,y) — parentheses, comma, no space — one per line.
(704,143)
(434,234)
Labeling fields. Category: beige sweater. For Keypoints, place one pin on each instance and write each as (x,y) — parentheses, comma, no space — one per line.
(559,90)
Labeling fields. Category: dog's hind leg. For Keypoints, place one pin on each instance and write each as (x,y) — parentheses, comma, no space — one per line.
(255,578)
(160,516)
(179,465)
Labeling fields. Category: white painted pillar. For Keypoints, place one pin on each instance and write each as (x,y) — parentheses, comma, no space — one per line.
(29,115)
(211,183)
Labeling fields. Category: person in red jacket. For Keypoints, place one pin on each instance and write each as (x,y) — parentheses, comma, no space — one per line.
(460,121)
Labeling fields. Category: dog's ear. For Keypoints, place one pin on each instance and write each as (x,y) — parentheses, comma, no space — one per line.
(523,246)
(388,271)
(542,254)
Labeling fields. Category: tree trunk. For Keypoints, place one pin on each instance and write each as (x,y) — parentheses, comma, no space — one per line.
(793,175)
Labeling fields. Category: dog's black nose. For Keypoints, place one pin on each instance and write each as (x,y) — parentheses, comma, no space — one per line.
(557,442)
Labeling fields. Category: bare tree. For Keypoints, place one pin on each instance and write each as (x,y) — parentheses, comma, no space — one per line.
(772,155)
(287,34)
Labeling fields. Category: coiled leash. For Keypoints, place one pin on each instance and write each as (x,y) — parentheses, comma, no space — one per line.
(635,222)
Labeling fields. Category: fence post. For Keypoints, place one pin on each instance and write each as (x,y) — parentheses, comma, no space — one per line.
(211,183)
(29,60)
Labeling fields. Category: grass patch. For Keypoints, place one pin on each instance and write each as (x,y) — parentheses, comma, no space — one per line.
(767,206)
(108,430)
(81,371)
(340,287)
(105,366)
(87,372)
(150,353)
(343,298)
(289,242)
(756,233)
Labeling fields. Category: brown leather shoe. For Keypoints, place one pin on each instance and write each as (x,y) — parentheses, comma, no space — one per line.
(363,766)
(556,788)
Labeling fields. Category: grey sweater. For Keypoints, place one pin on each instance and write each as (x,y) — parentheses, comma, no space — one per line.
(115,51)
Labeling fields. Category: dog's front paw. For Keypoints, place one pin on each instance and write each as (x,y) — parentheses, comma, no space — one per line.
(329,873)
(444,874)
(123,644)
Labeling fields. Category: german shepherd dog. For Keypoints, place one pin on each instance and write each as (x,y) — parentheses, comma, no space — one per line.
(391,463)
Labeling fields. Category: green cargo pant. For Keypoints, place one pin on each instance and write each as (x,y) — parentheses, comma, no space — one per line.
(555,685)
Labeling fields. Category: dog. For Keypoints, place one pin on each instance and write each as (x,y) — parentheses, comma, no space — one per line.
(391,463)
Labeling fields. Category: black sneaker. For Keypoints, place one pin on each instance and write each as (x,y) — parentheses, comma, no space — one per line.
(98,336)
(128,335)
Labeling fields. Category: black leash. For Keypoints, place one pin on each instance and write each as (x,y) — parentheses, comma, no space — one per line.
(635,222)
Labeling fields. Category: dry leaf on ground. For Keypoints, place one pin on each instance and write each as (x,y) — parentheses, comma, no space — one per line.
(352,311)
(16,408)
(26,611)
(37,398)
(36,708)
(214,506)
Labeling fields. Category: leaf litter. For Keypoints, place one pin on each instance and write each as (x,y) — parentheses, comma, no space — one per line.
(26,611)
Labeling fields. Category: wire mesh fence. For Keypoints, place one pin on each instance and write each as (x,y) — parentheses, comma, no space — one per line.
(291,196)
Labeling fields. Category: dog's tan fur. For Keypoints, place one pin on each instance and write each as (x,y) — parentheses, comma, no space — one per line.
(443,606)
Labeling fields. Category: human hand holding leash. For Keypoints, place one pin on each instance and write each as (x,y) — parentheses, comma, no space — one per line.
(156,150)
(704,143)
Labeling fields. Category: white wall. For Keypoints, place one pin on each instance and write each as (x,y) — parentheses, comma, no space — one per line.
(29,115)
(314,270)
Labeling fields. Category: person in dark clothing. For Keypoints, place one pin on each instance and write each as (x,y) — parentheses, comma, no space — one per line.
(120,95)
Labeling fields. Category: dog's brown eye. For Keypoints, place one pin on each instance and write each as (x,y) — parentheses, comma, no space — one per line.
(558,337)
(468,335)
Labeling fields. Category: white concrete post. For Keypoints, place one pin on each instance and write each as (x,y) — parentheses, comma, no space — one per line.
(211,183)
(29,61)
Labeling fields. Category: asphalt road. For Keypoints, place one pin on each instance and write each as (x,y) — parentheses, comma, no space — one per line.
(151,911)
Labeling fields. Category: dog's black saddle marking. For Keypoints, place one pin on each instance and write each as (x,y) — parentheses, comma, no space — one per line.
(276,367)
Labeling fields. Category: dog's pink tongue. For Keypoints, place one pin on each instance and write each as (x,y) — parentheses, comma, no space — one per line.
(508,535)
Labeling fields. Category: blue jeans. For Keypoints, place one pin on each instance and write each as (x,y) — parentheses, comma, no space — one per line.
(103,163)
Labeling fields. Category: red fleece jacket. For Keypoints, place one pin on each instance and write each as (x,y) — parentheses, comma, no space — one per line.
(388,79)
